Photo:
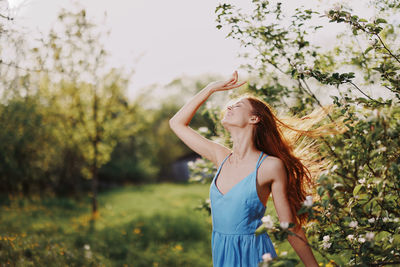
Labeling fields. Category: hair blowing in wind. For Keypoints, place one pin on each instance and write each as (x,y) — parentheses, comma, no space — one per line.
(293,141)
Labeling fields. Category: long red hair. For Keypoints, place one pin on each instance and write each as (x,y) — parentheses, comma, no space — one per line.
(291,139)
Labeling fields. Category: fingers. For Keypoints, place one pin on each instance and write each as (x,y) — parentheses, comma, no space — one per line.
(230,81)
(234,85)
(233,80)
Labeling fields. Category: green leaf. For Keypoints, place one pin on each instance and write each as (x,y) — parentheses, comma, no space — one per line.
(357,189)
(368,49)
(379,20)
(260,230)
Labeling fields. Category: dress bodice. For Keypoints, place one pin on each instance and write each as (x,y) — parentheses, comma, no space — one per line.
(239,211)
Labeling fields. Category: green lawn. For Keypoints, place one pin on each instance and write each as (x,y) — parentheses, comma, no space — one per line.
(149,225)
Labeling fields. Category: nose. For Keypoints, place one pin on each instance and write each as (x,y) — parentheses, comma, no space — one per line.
(229,107)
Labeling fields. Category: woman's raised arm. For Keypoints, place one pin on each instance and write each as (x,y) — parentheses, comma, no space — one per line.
(179,123)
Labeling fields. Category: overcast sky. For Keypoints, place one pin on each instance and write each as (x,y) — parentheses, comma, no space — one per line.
(169,38)
(160,40)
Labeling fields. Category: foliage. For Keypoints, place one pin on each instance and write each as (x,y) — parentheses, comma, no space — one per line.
(353,216)
(69,111)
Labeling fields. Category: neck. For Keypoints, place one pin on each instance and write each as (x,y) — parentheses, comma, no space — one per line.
(243,146)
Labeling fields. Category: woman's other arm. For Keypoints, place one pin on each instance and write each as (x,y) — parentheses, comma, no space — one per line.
(179,123)
(281,202)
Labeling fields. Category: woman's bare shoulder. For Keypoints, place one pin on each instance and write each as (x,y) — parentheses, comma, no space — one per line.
(221,153)
(272,168)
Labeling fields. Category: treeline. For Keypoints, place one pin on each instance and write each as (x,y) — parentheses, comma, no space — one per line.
(67,125)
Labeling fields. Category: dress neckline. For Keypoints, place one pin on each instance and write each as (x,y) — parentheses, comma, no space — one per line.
(219,170)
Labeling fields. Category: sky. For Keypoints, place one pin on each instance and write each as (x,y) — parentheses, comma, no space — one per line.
(159,40)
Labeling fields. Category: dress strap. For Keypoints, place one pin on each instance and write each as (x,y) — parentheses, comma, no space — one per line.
(258,164)
(220,166)
(259,159)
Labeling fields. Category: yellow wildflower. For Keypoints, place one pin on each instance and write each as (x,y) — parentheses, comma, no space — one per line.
(178,247)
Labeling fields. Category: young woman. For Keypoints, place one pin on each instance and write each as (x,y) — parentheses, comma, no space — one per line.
(260,163)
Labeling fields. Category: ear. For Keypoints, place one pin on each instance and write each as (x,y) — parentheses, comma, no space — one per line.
(254,119)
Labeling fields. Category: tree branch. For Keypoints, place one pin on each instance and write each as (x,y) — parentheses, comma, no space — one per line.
(18,67)
(6,17)
(387,49)
(370,98)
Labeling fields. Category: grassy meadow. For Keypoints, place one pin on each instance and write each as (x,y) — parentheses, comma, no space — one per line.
(146,225)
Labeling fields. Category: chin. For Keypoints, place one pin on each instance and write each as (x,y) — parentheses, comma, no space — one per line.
(226,124)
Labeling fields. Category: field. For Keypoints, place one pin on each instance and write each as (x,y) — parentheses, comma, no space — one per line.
(149,225)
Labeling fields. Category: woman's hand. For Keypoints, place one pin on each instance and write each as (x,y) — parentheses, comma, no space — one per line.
(225,85)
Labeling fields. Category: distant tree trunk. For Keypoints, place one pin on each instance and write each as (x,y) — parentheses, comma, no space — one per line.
(94,184)
(96,139)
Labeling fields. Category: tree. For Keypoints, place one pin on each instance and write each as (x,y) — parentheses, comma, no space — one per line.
(86,98)
(353,218)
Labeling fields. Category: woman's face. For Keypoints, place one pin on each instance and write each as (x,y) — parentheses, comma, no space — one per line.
(237,114)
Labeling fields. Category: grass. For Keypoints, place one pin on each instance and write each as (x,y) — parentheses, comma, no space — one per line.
(147,225)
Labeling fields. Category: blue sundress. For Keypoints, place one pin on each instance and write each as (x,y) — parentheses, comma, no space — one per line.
(235,217)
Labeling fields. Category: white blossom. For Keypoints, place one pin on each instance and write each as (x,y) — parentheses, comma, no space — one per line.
(267,257)
(86,246)
(361,239)
(382,149)
(334,167)
(372,220)
(326,238)
(369,236)
(284,225)
(267,221)
(326,245)
(353,224)
(372,42)
(88,254)
(337,7)
(283,253)
(337,185)
(361,181)
(350,237)
(203,129)
(200,161)
(385,219)
(308,202)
